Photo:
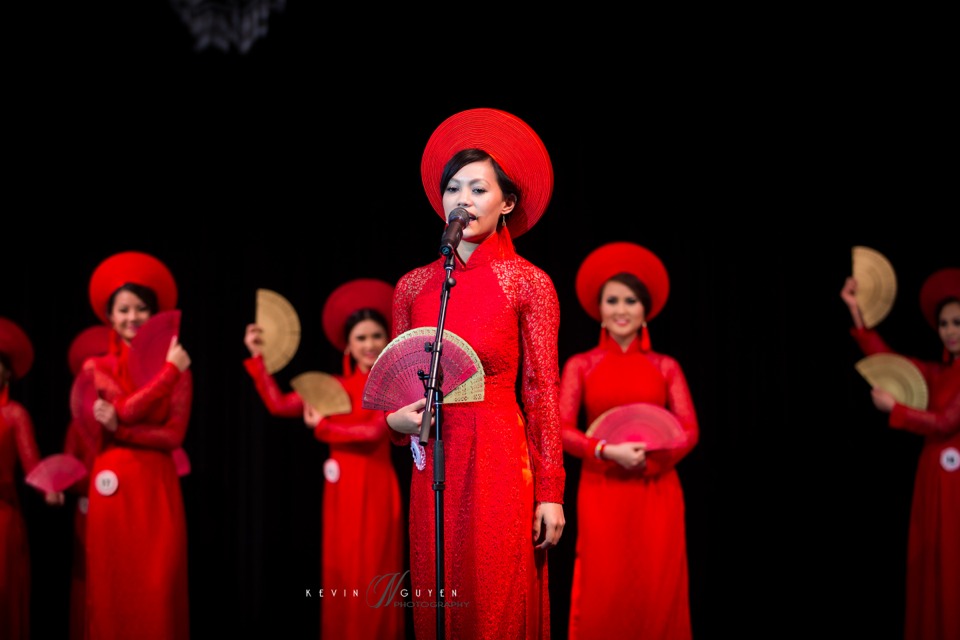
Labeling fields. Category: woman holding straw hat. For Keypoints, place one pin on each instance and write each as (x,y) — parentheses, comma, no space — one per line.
(363,523)
(504,476)
(136,533)
(933,544)
(630,569)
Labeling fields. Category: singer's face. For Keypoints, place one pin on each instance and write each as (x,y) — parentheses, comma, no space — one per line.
(475,188)
(128,314)
(367,339)
(621,312)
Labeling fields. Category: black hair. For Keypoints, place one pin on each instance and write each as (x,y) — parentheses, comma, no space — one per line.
(942,304)
(359,316)
(635,284)
(143,292)
(7,374)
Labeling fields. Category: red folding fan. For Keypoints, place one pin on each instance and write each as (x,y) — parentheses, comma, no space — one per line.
(639,422)
(395,378)
(148,349)
(56,472)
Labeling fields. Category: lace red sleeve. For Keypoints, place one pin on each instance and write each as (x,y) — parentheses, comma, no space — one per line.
(19,419)
(539,327)
(943,422)
(870,341)
(156,416)
(282,405)
(926,423)
(680,403)
(136,406)
(371,428)
(73,444)
(407,288)
(77,445)
(575,441)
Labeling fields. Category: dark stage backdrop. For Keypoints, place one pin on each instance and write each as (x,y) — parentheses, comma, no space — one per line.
(295,167)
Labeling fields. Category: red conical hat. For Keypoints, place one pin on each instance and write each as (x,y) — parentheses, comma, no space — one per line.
(134,267)
(511,142)
(15,343)
(92,341)
(618,257)
(941,284)
(362,293)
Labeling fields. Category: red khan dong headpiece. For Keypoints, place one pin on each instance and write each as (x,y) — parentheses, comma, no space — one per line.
(941,284)
(16,344)
(511,142)
(131,267)
(92,341)
(612,258)
(362,293)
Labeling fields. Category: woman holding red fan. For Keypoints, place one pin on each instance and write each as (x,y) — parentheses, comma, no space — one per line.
(136,527)
(630,569)
(504,474)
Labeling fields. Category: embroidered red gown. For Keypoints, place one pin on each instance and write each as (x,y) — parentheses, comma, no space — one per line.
(630,570)
(17,443)
(933,541)
(137,535)
(362,533)
(499,460)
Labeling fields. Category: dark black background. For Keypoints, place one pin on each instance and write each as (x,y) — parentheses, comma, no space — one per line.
(751,172)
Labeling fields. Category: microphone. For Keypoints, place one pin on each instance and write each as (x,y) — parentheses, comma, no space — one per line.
(458,220)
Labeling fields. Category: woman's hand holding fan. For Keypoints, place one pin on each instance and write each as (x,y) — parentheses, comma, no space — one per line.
(639,422)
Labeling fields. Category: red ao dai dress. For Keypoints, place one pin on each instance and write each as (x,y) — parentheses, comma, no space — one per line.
(17,444)
(933,539)
(630,575)
(136,526)
(362,532)
(499,459)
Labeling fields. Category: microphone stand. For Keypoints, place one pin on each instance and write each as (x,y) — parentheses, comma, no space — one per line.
(433,407)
